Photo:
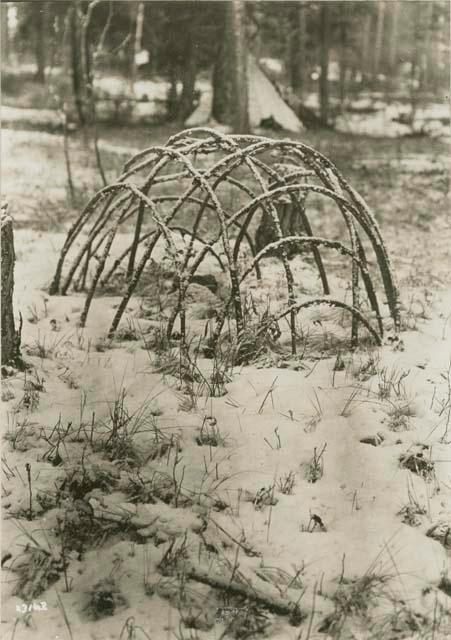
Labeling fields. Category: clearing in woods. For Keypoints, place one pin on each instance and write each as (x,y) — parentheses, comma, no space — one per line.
(152,491)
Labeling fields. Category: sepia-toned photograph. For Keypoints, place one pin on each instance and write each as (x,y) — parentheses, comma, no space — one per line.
(225,320)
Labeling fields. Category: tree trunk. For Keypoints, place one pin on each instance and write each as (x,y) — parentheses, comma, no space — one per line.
(379,38)
(230,95)
(10,337)
(39,30)
(189,71)
(416,53)
(150,36)
(87,62)
(394,36)
(76,70)
(343,57)
(415,61)
(302,26)
(297,48)
(427,79)
(173,97)
(138,20)
(366,46)
(325,45)
(221,76)
(4,33)
(236,27)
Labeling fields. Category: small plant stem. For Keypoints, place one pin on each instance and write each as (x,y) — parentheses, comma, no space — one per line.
(342,574)
(268,393)
(30,510)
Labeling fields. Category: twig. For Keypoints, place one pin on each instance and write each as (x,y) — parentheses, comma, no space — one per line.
(269,392)
(70,182)
(310,624)
(30,510)
(342,574)
(246,548)
(63,611)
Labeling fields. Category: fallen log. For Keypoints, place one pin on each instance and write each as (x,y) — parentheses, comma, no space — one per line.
(272,602)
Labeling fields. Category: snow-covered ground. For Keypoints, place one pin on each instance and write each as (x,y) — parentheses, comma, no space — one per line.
(327,484)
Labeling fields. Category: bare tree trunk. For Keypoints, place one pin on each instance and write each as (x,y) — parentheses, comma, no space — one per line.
(236,26)
(230,95)
(86,56)
(255,33)
(415,74)
(343,56)
(189,71)
(427,66)
(39,9)
(297,47)
(151,43)
(324,53)
(394,35)
(221,75)
(76,70)
(173,97)
(10,337)
(366,46)
(4,33)
(88,79)
(379,38)
(138,10)
(302,26)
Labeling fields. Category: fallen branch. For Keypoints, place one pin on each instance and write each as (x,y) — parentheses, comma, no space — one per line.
(248,550)
(271,601)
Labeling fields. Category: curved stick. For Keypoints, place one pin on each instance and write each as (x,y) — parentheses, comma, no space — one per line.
(370,292)
(300,240)
(96,278)
(333,303)
(269,181)
(145,237)
(133,284)
(362,213)
(72,234)
(201,180)
(98,226)
(274,246)
(163,228)
(300,208)
(320,163)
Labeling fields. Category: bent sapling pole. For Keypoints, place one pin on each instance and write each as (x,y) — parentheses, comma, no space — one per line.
(200,196)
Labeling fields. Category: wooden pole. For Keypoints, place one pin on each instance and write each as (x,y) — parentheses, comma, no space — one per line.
(10,337)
